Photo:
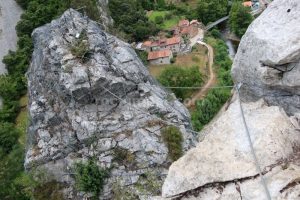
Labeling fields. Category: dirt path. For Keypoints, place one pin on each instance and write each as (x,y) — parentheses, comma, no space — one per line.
(211,81)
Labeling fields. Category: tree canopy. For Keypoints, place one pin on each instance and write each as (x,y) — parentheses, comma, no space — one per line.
(211,10)
(239,18)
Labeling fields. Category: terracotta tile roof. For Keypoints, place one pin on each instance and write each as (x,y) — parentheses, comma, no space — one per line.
(159,54)
(173,40)
(247,3)
(147,43)
(186,30)
(184,22)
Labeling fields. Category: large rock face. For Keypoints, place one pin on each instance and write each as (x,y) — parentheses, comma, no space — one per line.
(100,103)
(222,166)
(268,59)
(224,159)
(106,19)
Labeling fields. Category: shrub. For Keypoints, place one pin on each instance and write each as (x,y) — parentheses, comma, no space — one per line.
(8,137)
(90,178)
(159,19)
(173,139)
(80,48)
(124,157)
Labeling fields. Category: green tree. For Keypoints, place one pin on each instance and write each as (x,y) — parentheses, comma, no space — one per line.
(181,77)
(211,10)
(130,17)
(8,137)
(239,18)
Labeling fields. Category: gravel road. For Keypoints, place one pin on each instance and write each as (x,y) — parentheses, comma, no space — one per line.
(10,14)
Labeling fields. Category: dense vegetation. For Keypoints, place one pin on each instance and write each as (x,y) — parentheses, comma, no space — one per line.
(181,77)
(207,108)
(211,10)
(130,18)
(239,18)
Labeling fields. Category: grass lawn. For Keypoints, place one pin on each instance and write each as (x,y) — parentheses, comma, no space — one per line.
(168,23)
(198,57)
(22,119)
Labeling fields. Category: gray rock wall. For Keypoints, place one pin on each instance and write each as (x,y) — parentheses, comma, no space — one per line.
(268,58)
(92,106)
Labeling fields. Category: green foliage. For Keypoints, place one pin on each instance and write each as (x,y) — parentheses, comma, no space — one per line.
(8,137)
(89,177)
(211,10)
(159,19)
(207,108)
(181,77)
(239,18)
(173,140)
(130,17)
(143,55)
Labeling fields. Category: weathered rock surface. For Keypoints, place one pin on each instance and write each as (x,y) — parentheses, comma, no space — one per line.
(268,59)
(106,19)
(224,156)
(92,106)
(222,166)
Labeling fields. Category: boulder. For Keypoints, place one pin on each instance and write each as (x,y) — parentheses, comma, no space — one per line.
(90,96)
(268,58)
(224,159)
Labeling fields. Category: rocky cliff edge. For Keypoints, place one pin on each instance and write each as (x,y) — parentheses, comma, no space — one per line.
(90,96)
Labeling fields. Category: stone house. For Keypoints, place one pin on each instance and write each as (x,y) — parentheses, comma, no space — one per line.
(172,44)
(160,57)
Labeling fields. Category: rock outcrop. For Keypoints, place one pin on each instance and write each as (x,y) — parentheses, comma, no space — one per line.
(223,161)
(222,166)
(106,19)
(268,60)
(91,96)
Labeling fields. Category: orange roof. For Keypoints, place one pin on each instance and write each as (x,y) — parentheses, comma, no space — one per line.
(184,22)
(159,54)
(173,40)
(186,30)
(247,3)
(147,43)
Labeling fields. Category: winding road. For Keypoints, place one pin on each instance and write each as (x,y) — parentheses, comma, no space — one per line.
(10,14)
(212,77)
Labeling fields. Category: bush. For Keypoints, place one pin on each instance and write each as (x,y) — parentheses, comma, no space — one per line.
(90,178)
(173,139)
(80,48)
(159,20)
(8,137)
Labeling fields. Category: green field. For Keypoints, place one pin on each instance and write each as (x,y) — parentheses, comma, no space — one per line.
(168,23)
